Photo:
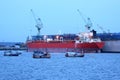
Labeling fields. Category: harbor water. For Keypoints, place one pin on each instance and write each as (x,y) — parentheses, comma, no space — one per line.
(99,66)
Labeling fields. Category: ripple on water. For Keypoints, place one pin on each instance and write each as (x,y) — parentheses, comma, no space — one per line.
(58,67)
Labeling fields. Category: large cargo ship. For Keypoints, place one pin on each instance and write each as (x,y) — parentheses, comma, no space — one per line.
(64,43)
(111,40)
(81,42)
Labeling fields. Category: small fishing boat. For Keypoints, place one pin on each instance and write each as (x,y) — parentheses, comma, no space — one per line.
(11,53)
(72,54)
(40,54)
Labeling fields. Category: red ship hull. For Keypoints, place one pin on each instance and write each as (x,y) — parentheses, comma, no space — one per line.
(64,46)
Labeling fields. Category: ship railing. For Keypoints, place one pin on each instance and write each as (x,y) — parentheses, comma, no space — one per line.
(63,41)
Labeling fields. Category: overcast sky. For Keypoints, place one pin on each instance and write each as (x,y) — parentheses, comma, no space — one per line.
(58,16)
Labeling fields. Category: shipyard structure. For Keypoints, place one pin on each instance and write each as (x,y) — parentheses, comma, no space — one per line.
(112,42)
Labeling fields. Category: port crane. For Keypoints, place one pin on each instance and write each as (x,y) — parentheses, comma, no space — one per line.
(108,31)
(88,23)
(39,24)
(101,28)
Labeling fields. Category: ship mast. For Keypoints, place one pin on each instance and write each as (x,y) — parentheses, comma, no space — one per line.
(39,24)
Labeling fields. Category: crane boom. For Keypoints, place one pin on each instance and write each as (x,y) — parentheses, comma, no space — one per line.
(101,28)
(88,23)
(38,21)
(33,15)
(81,15)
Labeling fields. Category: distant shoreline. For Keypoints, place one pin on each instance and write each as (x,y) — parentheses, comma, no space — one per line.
(13,48)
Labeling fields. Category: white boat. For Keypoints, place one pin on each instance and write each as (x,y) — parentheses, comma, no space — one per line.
(11,53)
(40,54)
(73,54)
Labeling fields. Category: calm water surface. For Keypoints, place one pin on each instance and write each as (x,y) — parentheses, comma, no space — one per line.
(58,67)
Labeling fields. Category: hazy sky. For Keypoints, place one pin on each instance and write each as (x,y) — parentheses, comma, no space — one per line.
(58,16)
